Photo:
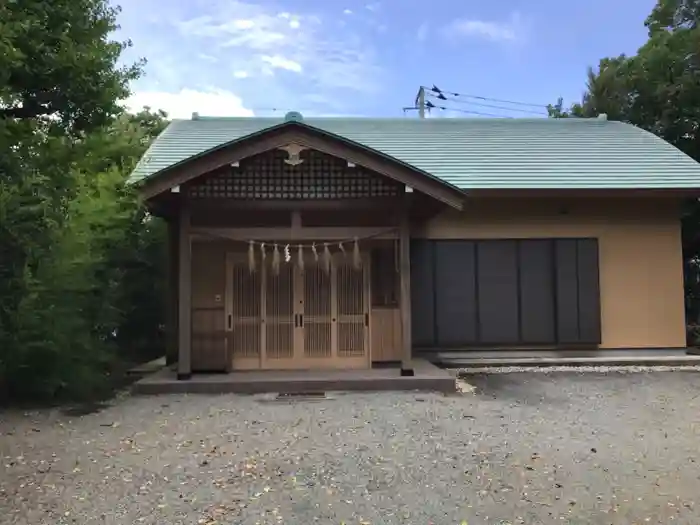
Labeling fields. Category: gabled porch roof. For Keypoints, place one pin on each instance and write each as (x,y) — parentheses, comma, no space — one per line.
(296,132)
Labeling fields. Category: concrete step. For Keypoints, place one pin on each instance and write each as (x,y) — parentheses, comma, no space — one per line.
(629,360)
(428,377)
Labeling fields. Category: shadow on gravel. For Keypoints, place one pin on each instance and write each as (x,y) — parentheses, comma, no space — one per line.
(551,387)
(84,409)
(531,388)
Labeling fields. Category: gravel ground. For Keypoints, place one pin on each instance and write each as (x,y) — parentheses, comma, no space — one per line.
(531,448)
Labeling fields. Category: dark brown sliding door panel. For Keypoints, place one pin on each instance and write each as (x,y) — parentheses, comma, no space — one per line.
(505,292)
(422,293)
(588,291)
(567,290)
(537,292)
(455,286)
(497,292)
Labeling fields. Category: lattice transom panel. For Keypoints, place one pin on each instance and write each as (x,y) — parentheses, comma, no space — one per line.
(318,176)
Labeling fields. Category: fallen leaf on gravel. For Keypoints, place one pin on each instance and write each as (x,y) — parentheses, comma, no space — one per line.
(463,387)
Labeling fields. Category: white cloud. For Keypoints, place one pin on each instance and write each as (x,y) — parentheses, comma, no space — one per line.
(215,102)
(279,62)
(490,30)
(514,29)
(293,20)
(243,24)
(229,40)
(331,58)
(347,11)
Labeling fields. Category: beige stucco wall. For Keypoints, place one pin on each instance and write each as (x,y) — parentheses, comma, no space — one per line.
(641,271)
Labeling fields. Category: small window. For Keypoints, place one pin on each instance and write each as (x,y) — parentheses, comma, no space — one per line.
(385,277)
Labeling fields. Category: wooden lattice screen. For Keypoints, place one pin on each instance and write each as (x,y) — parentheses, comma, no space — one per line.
(319,176)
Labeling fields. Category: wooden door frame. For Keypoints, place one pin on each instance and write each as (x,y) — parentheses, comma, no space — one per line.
(297,362)
(242,363)
(367,310)
(366,361)
(282,363)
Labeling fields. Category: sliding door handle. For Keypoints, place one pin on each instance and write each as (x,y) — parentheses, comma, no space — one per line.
(301,320)
(366,319)
(296,320)
(230,322)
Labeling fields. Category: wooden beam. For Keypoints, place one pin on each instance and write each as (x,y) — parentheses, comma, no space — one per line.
(171,292)
(184,361)
(405,292)
(369,203)
(290,234)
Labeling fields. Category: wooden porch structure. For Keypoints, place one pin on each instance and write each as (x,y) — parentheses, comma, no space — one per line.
(290,251)
(427,377)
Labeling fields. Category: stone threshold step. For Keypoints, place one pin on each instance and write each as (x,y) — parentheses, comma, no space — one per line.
(646,360)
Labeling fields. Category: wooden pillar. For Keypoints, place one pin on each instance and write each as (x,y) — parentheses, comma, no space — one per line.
(405,289)
(171,292)
(184,361)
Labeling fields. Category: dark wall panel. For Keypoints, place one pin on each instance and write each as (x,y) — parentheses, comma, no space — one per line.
(497,291)
(422,293)
(537,293)
(455,287)
(566,264)
(588,291)
(500,292)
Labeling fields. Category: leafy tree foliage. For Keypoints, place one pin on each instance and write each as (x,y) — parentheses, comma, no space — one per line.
(80,284)
(57,60)
(657,89)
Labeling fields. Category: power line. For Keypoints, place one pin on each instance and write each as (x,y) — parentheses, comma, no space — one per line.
(440,94)
(492,106)
(429,105)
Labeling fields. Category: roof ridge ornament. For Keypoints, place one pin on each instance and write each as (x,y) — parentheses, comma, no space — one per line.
(293,151)
(293,116)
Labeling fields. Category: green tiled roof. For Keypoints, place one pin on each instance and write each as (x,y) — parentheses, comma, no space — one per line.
(476,153)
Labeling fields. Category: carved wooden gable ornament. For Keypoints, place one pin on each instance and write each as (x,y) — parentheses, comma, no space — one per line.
(293,153)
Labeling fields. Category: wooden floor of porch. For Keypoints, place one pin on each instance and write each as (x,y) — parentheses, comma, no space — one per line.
(428,377)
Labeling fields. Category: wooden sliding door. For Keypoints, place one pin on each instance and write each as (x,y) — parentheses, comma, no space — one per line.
(298,318)
(278,291)
(244,314)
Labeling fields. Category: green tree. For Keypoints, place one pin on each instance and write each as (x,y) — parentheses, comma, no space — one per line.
(89,294)
(79,254)
(657,89)
(57,60)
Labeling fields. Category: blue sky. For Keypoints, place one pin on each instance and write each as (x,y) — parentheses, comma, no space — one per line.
(354,57)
